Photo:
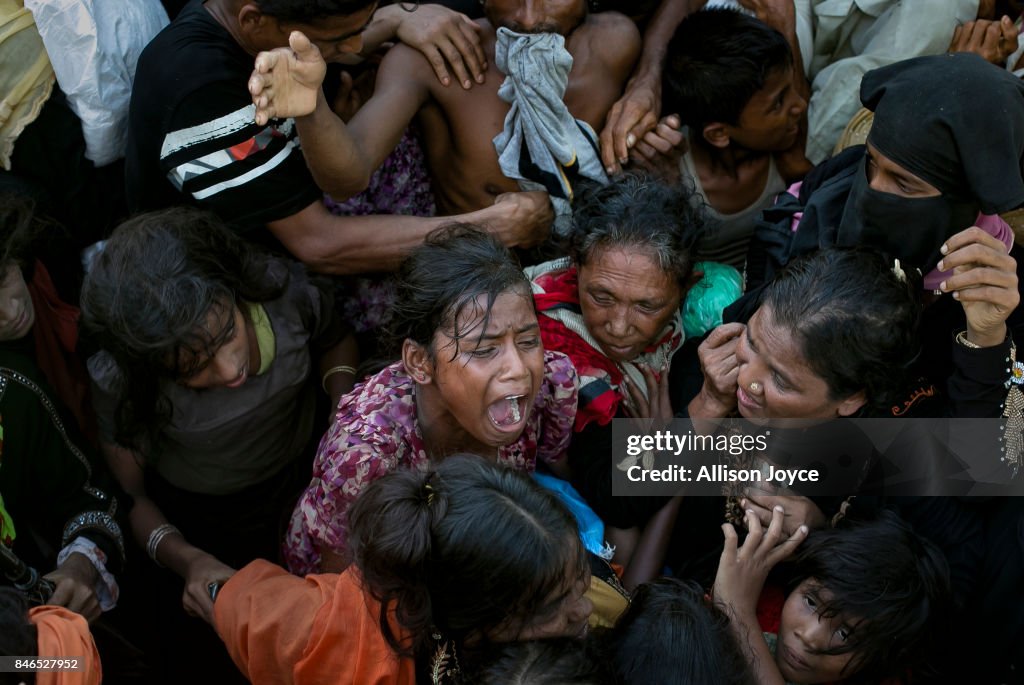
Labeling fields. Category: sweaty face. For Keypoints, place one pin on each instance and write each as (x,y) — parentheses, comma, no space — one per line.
(775,380)
(229,366)
(335,36)
(770,122)
(17,315)
(536,16)
(804,633)
(886,176)
(488,383)
(627,300)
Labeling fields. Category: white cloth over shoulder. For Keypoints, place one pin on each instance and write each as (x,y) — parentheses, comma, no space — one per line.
(542,145)
(94,46)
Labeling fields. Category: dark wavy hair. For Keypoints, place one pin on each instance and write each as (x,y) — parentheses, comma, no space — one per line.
(895,582)
(557,661)
(443,277)
(856,321)
(716,62)
(150,296)
(310,11)
(638,211)
(466,548)
(18,635)
(671,636)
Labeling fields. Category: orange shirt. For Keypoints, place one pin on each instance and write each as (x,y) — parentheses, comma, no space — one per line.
(318,630)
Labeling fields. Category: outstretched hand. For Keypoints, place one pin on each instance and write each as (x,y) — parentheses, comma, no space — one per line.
(656,404)
(743,569)
(984,280)
(286,81)
(630,118)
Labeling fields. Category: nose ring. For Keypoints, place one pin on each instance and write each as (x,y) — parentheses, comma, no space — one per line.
(755,386)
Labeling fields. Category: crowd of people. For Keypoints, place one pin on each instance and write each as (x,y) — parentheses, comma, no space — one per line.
(327,387)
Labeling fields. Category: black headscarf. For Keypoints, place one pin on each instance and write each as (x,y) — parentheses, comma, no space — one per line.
(955,121)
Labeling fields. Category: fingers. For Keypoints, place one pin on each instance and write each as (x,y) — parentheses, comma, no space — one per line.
(197,602)
(723,334)
(302,46)
(637,403)
(61,593)
(762,511)
(729,551)
(787,547)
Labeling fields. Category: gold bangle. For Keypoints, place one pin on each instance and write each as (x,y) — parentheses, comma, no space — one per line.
(341,368)
(961,338)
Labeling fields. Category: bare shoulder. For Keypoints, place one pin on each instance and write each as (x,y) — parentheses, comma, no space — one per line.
(405,66)
(614,37)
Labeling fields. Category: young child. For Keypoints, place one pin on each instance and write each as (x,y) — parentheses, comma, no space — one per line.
(473,377)
(671,635)
(865,603)
(729,79)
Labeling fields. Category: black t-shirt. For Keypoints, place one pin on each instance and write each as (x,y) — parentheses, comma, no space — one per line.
(192,137)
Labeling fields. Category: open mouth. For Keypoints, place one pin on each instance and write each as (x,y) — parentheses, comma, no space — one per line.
(242,376)
(746,400)
(508,412)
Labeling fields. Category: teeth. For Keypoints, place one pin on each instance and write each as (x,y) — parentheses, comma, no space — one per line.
(514,400)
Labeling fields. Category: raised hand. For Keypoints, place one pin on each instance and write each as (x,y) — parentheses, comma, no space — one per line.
(984,280)
(286,82)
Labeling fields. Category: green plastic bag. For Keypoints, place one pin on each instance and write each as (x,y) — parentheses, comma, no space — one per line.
(720,287)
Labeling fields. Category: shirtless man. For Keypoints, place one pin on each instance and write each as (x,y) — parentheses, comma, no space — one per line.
(459,125)
(192,137)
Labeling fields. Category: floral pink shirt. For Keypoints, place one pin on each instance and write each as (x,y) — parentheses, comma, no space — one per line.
(375,432)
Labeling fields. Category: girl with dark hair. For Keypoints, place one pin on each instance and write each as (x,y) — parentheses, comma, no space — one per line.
(673,635)
(473,377)
(866,601)
(445,562)
(613,306)
(205,388)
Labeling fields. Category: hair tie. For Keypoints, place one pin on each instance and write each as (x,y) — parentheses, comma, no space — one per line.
(431,494)
(901,275)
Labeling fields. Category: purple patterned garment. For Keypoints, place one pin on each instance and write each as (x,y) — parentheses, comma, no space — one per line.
(375,432)
(400,186)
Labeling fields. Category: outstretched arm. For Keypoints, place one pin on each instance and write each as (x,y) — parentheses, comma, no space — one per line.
(637,111)
(198,568)
(742,571)
(360,244)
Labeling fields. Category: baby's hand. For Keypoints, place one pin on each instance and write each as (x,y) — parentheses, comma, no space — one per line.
(286,81)
(743,570)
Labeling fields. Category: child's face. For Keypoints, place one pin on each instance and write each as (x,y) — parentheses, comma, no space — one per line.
(491,383)
(229,367)
(770,122)
(804,633)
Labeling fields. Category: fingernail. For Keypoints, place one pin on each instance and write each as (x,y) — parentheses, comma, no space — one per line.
(942,286)
(467,84)
(445,81)
(609,170)
(743,503)
(944,249)
(940,266)
(750,512)
(778,507)
(803,529)
(956,295)
(630,140)
(623,160)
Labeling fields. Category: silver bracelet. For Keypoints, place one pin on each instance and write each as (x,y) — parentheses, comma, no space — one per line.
(156,537)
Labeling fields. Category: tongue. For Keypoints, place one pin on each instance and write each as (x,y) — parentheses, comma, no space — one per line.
(503,412)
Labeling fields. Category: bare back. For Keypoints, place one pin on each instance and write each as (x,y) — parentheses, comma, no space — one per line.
(459,126)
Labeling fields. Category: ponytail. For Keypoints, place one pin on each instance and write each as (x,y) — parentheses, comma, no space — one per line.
(464,549)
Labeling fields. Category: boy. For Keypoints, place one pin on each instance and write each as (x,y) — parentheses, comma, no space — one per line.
(729,78)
